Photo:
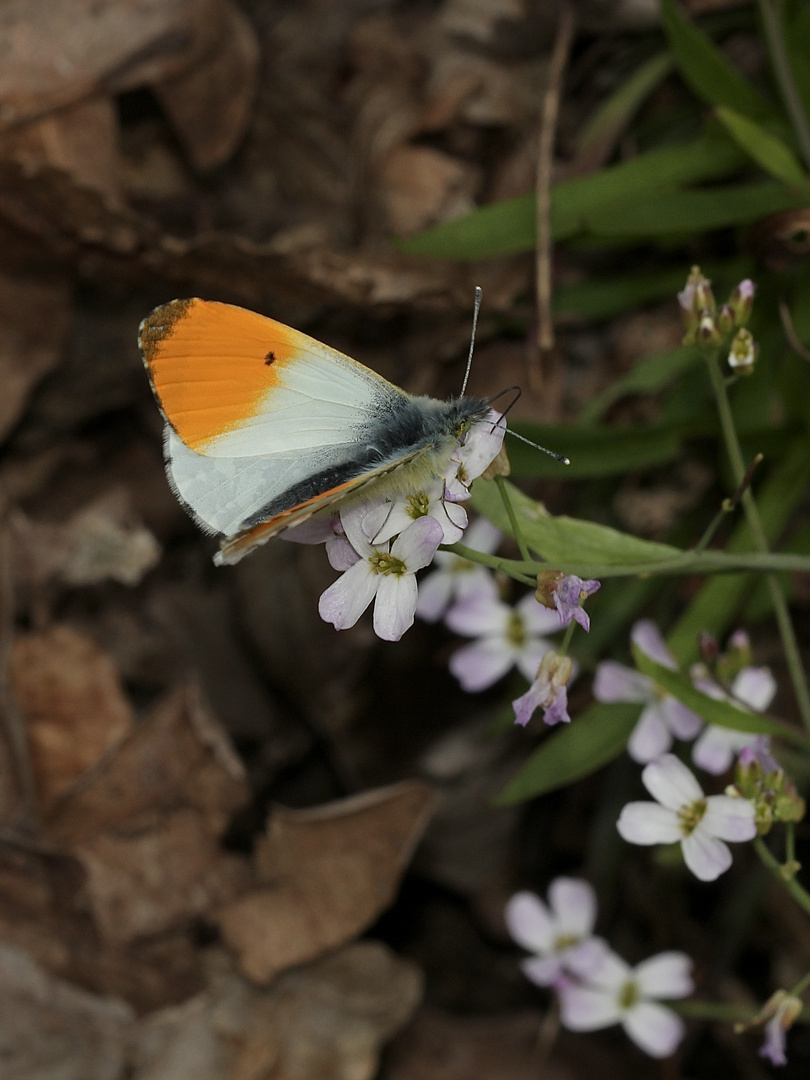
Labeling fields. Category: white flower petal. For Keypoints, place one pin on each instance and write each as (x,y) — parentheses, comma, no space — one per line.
(648,823)
(705,855)
(352,521)
(347,598)
(542,970)
(573,903)
(529,922)
(665,975)
(478,614)
(650,737)
(481,664)
(615,682)
(655,1029)
(538,619)
(395,606)
(340,553)
(585,1009)
(717,747)
(754,687)
(417,545)
(586,958)
(682,722)
(451,517)
(729,818)
(483,536)
(610,974)
(646,635)
(435,595)
(670,782)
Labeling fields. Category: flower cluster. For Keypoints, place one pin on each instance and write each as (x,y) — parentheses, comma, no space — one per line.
(380,544)
(708,324)
(664,718)
(596,987)
(508,636)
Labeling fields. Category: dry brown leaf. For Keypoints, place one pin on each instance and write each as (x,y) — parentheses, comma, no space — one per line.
(34,314)
(152,881)
(73,703)
(57,54)
(328,874)
(326,1021)
(177,756)
(81,140)
(74,224)
(101,542)
(50,1029)
(209,105)
(422,186)
(42,912)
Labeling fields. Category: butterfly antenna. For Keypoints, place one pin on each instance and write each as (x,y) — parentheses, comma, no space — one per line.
(479,292)
(517,392)
(551,453)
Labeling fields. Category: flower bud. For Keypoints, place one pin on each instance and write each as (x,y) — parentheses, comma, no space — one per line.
(725,318)
(499,466)
(707,332)
(547,582)
(743,354)
(741,301)
(709,648)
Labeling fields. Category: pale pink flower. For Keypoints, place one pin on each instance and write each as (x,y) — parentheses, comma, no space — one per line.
(477,449)
(559,934)
(716,747)
(456,578)
(507,636)
(663,715)
(683,814)
(615,993)
(385,576)
(549,691)
(389,519)
(785,1009)
(568,596)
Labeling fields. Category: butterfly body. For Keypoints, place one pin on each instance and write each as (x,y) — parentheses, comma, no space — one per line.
(266,426)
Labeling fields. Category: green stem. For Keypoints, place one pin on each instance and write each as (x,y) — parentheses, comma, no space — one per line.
(800,986)
(687,562)
(799,894)
(510,511)
(783,621)
(721,1010)
(564,645)
(784,76)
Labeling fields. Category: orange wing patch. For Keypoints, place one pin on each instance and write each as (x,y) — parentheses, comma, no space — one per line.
(211,364)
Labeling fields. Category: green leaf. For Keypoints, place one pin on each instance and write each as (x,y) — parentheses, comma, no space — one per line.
(594,451)
(565,539)
(688,212)
(721,713)
(509,227)
(602,298)
(767,151)
(705,68)
(649,375)
(797,43)
(594,738)
(598,135)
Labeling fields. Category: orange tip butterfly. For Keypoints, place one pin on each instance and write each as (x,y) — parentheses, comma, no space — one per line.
(266,426)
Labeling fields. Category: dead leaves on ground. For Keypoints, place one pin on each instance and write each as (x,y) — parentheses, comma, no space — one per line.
(101,902)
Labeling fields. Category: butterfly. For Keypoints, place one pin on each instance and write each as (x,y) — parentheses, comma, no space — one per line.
(266,426)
